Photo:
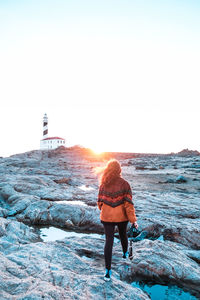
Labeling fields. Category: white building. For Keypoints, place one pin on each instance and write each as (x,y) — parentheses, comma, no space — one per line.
(49,142)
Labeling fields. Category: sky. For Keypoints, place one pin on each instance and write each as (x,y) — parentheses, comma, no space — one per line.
(113,75)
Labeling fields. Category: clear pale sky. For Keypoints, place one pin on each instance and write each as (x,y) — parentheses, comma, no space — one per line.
(113,75)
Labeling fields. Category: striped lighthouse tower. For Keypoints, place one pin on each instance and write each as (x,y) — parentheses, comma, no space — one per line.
(49,142)
(45,126)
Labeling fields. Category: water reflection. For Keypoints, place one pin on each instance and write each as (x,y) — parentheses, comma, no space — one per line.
(78,202)
(86,188)
(162,292)
(53,234)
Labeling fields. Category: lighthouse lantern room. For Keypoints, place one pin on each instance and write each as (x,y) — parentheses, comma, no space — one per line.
(49,142)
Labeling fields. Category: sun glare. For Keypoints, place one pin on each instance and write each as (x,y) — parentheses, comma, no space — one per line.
(97,152)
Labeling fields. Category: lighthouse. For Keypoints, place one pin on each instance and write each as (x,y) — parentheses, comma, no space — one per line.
(45,126)
(49,142)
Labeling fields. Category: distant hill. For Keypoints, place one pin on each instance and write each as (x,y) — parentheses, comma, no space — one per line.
(187,152)
(91,155)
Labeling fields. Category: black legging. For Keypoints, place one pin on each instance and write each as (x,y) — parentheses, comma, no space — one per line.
(109,228)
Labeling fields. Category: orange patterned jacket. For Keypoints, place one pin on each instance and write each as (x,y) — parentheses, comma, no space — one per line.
(115,202)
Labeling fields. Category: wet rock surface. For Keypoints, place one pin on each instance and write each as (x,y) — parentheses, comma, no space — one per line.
(59,188)
(65,269)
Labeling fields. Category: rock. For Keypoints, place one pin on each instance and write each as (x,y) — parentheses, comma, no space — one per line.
(60,270)
(164,262)
(181,179)
(193,254)
(169,180)
(3,212)
(187,152)
(86,218)
(187,235)
(63,180)
(32,192)
(69,224)
(141,168)
(13,233)
(178,179)
(74,267)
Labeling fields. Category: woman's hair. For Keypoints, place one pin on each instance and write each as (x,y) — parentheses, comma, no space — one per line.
(111,172)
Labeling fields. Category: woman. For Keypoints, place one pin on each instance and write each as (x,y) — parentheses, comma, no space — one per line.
(116,206)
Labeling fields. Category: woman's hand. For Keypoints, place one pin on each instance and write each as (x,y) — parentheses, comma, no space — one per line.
(135,224)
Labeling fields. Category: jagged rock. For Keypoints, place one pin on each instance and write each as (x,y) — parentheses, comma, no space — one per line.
(57,270)
(63,180)
(164,262)
(187,152)
(29,193)
(13,233)
(74,267)
(187,235)
(178,179)
(3,212)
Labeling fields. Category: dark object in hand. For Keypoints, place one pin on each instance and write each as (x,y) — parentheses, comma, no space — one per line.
(133,232)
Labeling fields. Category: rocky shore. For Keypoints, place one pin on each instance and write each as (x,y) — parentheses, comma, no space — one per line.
(59,188)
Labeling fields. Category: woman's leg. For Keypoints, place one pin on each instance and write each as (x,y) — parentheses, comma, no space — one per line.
(122,227)
(109,232)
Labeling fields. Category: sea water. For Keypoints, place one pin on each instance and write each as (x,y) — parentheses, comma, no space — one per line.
(53,233)
(164,292)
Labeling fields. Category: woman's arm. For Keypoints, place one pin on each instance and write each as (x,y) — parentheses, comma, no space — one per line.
(130,212)
(99,203)
(129,207)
